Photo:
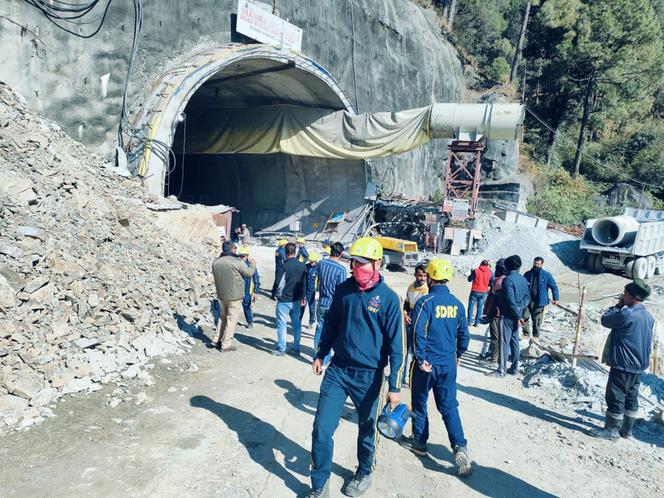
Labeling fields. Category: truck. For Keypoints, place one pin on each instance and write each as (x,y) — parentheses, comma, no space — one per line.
(398,252)
(631,243)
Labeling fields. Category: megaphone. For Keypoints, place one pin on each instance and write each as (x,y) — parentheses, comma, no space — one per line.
(392,421)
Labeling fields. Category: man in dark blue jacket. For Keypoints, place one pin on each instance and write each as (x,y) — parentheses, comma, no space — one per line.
(365,327)
(441,337)
(279,259)
(627,352)
(513,300)
(539,282)
(291,289)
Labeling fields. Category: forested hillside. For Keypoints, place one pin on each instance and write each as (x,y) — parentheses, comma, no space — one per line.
(591,75)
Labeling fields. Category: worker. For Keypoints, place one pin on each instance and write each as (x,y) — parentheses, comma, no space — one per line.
(492,312)
(312,287)
(229,273)
(279,258)
(514,298)
(331,273)
(244,235)
(415,291)
(627,352)
(540,282)
(365,326)
(302,253)
(441,338)
(480,278)
(291,290)
(252,285)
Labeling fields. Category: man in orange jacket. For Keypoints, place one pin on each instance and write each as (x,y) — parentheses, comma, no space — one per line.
(481,278)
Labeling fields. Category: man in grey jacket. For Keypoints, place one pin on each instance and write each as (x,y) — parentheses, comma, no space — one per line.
(229,273)
(627,352)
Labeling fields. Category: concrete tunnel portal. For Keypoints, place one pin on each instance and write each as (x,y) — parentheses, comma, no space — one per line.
(269,190)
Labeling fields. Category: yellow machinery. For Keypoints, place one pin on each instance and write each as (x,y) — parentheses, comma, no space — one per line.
(398,252)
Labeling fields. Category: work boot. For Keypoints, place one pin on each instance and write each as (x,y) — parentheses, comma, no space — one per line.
(250,325)
(462,460)
(627,426)
(412,444)
(610,431)
(323,492)
(513,370)
(229,349)
(358,485)
(495,373)
(276,352)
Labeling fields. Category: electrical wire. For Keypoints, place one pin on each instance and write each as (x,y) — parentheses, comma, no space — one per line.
(596,161)
(68,16)
(184,145)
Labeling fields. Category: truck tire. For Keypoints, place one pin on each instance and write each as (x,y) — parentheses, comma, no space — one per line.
(599,266)
(629,267)
(590,262)
(652,266)
(640,269)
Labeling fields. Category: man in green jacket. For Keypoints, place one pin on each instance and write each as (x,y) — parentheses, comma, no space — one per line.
(229,273)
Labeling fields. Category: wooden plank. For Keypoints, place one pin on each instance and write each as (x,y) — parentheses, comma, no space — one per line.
(579,328)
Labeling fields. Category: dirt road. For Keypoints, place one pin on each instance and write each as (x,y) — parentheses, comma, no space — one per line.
(241,426)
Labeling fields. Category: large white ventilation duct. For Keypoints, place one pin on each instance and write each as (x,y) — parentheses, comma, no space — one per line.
(304,131)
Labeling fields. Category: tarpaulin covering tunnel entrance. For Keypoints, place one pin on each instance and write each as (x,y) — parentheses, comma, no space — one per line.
(270,190)
(271,133)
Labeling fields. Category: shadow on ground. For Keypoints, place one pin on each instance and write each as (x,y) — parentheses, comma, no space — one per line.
(488,481)
(192,329)
(307,401)
(262,441)
(527,408)
(568,253)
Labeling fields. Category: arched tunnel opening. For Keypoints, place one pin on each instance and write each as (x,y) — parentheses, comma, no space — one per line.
(270,190)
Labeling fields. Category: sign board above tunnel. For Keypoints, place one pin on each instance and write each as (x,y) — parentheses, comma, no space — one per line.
(263,26)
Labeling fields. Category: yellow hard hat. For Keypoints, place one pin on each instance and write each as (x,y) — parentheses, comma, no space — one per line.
(327,250)
(440,269)
(244,251)
(314,256)
(300,240)
(282,242)
(365,249)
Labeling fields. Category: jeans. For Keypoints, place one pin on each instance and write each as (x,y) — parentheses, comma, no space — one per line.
(311,302)
(509,329)
(248,313)
(622,393)
(284,309)
(321,313)
(363,387)
(442,380)
(476,298)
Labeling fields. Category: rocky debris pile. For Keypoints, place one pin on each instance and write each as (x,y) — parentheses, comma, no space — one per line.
(583,388)
(501,239)
(90,286)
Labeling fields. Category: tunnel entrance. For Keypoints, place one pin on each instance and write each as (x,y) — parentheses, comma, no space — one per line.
(271,190)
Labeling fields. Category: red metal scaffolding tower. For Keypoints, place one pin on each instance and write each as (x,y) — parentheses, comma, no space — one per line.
(462,176)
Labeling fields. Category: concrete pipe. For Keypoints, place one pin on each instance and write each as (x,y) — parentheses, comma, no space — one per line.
(615,230)
(474,121)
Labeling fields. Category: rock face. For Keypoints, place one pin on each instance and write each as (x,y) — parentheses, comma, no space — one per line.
(90,287)
(624,195)
(387,55)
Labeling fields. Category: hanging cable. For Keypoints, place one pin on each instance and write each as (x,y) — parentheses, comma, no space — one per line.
(68,16)
(596,161)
